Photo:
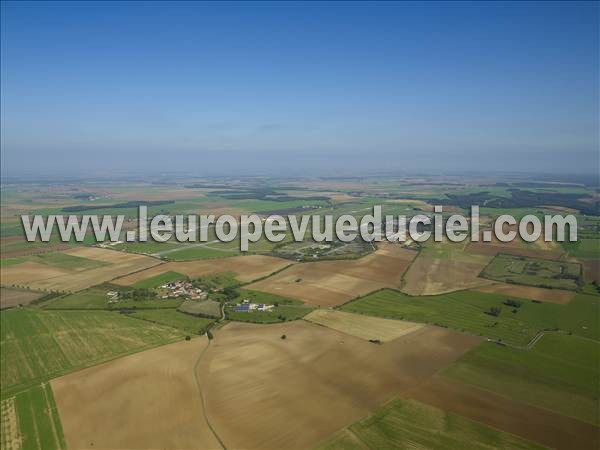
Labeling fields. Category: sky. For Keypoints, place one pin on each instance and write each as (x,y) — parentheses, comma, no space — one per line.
(299,88)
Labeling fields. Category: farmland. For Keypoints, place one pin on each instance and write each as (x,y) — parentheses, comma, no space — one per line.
(15,297)
(30,420)
(532,376)
(146,400)
(173,318)
(246,268)
(251,377)
(329,283)
(39,345)
(470,312)
(64,272)
(408,424)
(534,272)
(364,327)
(392,338)
(444,267)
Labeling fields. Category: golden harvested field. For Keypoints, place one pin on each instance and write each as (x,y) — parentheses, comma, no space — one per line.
(360,326)
(531,292)
(46,277)
(430,276)
(535,424)
(246,268)
(146,400)
(16,297)
(262,391)
(331,283)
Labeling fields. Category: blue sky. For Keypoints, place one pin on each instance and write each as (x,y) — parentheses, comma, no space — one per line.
(299,88)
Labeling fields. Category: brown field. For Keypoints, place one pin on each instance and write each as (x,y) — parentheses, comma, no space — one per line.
(44,277)
(360,326)
(146,400)
(535,424)
(266,392)
(331,283)
(431,276)
(591,269)
(530,292)
(16,297)
(246,268)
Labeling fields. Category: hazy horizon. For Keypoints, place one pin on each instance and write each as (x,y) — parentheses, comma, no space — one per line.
(299,88)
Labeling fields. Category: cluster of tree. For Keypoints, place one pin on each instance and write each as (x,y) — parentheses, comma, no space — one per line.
(522,199)
(137,294)
(494,311)
(512,303)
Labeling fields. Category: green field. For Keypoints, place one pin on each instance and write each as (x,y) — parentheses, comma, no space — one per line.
(96,298)
(583,248)
(158,280)
(65,261)
(533,272)
(469,311)
(39,345)
(265,297)
(559,373)
(280,313)
(37,425)
(173,318)
(408,424)
(204,252)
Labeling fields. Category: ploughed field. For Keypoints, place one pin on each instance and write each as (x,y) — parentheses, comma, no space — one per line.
(331,283)
(146,400)
(263,391)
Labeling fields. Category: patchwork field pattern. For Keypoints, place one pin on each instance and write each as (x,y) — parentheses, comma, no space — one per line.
(361,326)
(147,400)
(530,292)
(56,274)
(443,267)
(30,421)
(38,345)
(246,268)
(15,297)
(330,283)
(536,424)
(469,311)
(263,391)
(403,424)
(534,272)
(532,376)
